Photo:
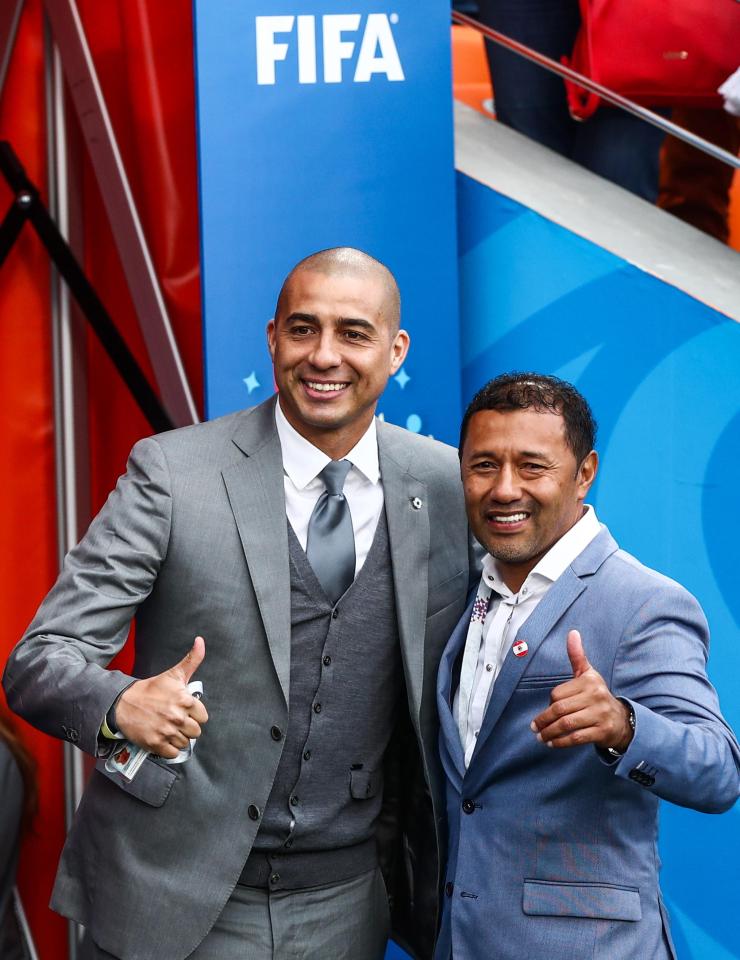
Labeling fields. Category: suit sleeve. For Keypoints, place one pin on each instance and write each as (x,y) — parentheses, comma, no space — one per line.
(682,750)
(56,677)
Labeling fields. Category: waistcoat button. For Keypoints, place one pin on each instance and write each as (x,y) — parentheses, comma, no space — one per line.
(276,733)
(468,806)
(253,812)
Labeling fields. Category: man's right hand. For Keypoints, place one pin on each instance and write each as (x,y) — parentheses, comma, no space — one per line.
(159,714)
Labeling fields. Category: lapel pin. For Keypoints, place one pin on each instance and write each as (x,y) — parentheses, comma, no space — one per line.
(416,503)
(520,648)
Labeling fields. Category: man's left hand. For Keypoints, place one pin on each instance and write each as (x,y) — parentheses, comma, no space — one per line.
(583,710)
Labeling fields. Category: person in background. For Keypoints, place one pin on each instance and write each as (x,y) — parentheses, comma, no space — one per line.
(17,807)
(530,99)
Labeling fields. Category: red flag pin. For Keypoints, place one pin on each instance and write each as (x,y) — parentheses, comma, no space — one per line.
(520,648)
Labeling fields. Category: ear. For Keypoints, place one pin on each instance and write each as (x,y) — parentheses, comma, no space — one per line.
(271,337)
(399,349)
(587,474)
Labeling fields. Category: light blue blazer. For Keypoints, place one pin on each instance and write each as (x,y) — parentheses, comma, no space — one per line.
(552,853)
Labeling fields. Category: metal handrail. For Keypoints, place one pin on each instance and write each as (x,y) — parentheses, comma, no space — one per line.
(609,95)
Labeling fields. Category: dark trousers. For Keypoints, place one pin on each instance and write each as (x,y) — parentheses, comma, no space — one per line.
(528,98)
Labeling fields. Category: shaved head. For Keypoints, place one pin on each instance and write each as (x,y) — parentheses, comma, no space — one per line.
(349,261)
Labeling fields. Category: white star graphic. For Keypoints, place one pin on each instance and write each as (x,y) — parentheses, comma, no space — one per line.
(402,378)
(251,382)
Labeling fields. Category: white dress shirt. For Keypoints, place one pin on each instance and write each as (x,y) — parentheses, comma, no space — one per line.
(302,464)
(482,661)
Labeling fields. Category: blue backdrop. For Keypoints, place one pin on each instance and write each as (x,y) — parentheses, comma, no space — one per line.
(661,372)
(317,128)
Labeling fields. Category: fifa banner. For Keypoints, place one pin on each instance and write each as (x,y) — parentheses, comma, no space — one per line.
(660,370)
(321,124)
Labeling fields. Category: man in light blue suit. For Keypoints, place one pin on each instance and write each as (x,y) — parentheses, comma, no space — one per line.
(573,695)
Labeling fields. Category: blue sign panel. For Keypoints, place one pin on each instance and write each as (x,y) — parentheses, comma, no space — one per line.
(660,370)
(324,123)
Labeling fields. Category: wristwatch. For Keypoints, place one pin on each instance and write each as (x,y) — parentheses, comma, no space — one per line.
(631,720)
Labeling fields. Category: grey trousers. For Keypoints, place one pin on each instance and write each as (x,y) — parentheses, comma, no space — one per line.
(343,921)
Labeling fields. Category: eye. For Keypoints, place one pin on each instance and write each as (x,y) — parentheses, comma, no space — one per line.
(354,336)
(301,330)
(480,465)
(533,467)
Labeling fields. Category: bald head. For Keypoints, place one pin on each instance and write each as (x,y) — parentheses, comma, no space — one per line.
(349,262)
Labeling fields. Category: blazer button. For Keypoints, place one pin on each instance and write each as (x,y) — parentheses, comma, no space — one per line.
(468,806)
(253,812)
(275,878)
(449,887)
(276,733)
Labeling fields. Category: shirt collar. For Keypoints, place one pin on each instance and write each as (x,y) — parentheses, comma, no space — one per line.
(554,563)
(303,462)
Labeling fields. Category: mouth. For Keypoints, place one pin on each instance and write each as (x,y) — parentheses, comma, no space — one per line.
(507,522)
(325,389)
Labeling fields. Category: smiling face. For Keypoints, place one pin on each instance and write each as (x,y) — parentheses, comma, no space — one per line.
(523,487)
(334,344)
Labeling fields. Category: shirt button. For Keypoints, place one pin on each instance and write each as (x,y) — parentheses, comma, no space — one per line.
(253,812)
(276,733)
(317,708)
(294,801)
(489,667)
(476,733)
(334,613)
(524,590)
(468,806)
(327,661)
(307,755)
(275,878)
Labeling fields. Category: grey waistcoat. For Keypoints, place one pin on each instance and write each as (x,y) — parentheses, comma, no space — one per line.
(345,682)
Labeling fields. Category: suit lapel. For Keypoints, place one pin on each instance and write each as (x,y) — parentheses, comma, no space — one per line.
(534,630)
(451,750)
(408,532)
(563,593)
(256,494)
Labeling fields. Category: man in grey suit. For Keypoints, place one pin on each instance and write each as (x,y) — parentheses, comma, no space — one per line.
(319,558)
(573,695)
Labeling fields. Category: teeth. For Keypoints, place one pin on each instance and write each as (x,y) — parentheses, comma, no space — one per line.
(325,387)
(510,518)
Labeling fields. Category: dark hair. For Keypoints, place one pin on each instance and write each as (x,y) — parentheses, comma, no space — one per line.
(522,391)
(26,766)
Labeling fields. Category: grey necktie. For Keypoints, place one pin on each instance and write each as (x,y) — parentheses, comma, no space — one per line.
(330,547)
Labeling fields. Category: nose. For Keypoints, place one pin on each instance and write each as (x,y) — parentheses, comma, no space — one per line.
(325,353)
(505,485)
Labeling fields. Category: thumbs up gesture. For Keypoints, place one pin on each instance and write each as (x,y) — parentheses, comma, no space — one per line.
(583,710)
(158,713)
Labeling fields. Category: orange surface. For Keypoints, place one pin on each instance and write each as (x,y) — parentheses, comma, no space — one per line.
(735,212)
(27,520)
(470,80)
(144,56)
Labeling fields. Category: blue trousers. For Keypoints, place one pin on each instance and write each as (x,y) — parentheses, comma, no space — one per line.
(614,144)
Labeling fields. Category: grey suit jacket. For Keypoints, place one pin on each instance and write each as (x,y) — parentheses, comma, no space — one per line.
(193,540)
(553,852)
